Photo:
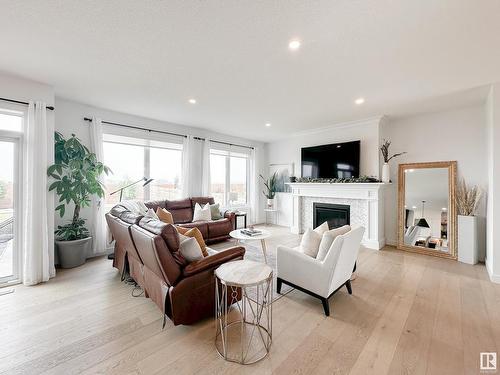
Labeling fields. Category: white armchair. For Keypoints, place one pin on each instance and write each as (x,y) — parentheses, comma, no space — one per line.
(320,279)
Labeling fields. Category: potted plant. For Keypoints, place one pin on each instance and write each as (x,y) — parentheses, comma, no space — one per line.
(467,200)
(271,186)
(76,173)
(386,171)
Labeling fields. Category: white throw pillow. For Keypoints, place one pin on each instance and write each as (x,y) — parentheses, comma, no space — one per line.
(327,240)
(190,248)
(322,228)
(202,213)
(150,213)
(309,244)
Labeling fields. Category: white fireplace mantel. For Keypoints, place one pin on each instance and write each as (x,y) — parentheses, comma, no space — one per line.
(368,199)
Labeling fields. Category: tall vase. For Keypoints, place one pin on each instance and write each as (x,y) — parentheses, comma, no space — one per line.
(386,173)
(467,239)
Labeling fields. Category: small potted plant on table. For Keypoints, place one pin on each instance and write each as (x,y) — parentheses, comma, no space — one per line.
(270,185)
(76,173)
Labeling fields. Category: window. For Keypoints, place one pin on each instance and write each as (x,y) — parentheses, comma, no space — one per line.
(131,159)
(229,176)
(11,133)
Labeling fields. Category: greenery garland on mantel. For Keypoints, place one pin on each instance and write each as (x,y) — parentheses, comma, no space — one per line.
(361,179)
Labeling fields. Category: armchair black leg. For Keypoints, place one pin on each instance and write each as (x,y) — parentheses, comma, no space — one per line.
(326,305)
(348,286)
(279,282)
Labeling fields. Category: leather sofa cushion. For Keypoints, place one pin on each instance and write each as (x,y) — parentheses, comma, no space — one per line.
(166,231)
(201,225)
(219,227)
(178,204)
(130,218)
(214,261)
(182,215)
(201,201)
(155,204)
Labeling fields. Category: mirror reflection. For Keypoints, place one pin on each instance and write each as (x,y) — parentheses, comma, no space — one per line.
(426,208)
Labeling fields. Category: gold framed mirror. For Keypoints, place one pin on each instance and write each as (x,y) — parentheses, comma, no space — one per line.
(426,208)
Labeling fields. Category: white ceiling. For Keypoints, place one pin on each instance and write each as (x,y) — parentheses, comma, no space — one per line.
(149,57)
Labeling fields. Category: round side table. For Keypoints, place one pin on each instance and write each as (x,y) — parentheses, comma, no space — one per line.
(243,327)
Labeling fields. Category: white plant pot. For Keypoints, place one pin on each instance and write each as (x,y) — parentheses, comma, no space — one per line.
(386,173)
(467,239)
(270,203)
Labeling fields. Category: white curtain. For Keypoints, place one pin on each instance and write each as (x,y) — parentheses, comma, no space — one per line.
(99,227)
(187,150)
(205,188)
(38,202)
(254,186)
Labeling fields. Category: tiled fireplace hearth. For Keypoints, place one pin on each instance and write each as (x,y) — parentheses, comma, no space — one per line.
(365,201)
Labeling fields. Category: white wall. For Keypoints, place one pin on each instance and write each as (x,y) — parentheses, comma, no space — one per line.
(458,134)
(69,120)
(493,203)
(18,88)
(367,131)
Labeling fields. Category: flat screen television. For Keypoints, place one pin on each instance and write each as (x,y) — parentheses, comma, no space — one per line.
(337,160)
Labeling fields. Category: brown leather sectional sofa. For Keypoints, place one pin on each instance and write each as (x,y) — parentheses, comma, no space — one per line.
(182,212)
(147,250)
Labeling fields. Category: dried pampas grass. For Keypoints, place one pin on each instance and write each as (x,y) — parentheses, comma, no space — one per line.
(467,198)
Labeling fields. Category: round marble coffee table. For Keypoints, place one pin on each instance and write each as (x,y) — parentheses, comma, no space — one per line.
(238,235)
(243,311)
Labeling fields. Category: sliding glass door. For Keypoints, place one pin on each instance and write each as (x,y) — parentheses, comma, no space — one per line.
(9,249)
(11,123)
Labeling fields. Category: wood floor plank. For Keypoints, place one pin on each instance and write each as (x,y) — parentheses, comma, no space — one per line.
(413,346)
(409,314)
(446,349)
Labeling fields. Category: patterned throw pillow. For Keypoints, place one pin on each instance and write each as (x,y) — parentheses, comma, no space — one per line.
(215,211)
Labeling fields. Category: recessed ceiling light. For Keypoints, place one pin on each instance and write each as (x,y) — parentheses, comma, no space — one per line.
(268,124)
(294,44)
(192,101)
(413,207)
(359,101)
(444,208)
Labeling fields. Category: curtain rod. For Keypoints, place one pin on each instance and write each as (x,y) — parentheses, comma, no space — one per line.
(223,143)
(159,131)
(136,127)
(50,108)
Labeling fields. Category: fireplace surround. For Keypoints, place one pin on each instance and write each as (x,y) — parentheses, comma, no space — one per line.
(337,215)
(365,201)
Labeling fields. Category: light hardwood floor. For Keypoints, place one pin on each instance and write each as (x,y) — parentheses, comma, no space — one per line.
(409,314)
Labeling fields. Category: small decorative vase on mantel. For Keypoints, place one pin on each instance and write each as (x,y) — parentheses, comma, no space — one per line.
(386,170)
(386,173)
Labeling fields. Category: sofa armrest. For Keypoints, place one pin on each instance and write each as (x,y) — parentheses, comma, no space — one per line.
(231,216)
(213,261)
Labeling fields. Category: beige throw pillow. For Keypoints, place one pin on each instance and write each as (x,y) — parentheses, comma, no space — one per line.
(311,239)
(202,214)
(164,215)
(190,249)
(327,240)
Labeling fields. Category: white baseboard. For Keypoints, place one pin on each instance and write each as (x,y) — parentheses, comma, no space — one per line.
(374,244)
(493,277)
